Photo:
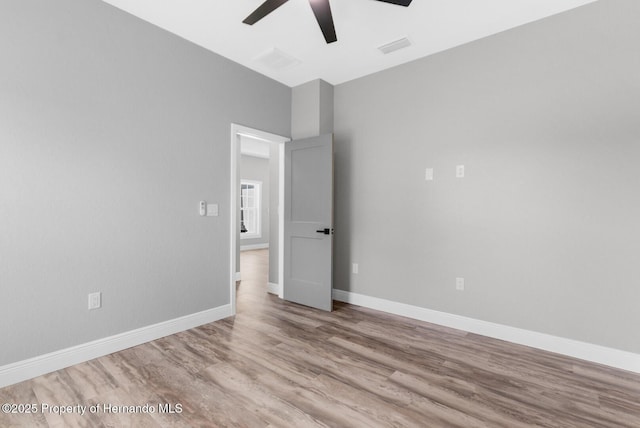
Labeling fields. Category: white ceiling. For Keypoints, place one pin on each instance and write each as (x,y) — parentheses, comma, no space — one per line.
(361,26)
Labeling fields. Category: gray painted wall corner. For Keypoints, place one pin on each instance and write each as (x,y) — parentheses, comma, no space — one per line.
(544,225)
(112,132)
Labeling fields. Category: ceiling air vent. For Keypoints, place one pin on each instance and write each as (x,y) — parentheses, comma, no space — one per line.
(394,46)
(277,60)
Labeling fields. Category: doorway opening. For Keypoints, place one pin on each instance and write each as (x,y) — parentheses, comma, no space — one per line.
(263,213)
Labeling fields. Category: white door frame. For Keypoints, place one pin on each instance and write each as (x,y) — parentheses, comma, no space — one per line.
(236,132)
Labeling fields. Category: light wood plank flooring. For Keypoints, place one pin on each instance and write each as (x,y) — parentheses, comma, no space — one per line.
(277,364)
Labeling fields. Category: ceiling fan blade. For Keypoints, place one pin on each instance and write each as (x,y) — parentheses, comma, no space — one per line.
(322,11)
(263,10)
(398,2)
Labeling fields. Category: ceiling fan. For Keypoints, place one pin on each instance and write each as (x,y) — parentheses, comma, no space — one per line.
(321,10)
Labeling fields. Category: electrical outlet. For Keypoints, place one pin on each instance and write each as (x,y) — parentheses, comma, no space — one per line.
(460,171)
(95,300)
(460,284)
(354,268)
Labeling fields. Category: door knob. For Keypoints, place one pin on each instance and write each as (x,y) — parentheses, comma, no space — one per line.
(326,231)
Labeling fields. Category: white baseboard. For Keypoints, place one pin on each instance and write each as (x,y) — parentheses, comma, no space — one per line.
(273,288)
(253,247)
(573,348)
(47,363)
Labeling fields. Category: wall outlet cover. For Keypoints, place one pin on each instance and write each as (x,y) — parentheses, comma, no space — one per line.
(95,300)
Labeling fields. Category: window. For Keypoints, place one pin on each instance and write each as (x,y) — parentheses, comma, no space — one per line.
(250,221)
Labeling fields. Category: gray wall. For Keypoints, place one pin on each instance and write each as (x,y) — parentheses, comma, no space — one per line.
(312,109)
(111,131)
(544,228)
(326,101)
(257,169)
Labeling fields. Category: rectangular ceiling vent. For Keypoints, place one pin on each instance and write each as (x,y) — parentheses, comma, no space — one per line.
(395,45)
(277,60)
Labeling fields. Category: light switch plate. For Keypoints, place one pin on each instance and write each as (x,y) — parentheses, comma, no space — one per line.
(212,210)
(428,174)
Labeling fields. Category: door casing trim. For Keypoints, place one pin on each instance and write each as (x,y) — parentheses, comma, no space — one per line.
(237,131)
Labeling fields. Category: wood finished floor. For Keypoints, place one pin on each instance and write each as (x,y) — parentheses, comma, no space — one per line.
(277,364)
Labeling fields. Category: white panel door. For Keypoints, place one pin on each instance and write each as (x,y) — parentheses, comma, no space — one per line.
(308,222)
